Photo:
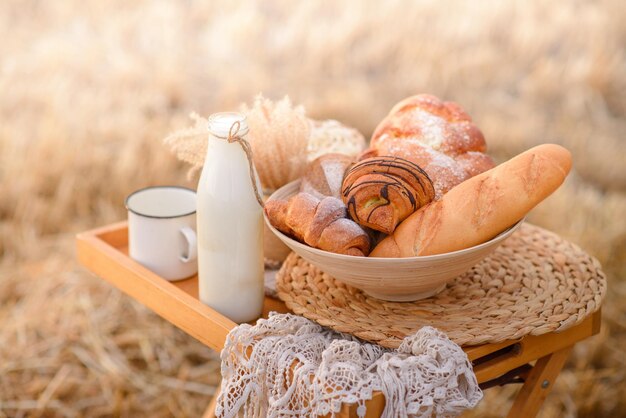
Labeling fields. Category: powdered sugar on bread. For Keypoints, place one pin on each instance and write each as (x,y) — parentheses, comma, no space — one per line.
(438,136)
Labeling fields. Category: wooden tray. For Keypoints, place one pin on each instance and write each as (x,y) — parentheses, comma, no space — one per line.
(104,251)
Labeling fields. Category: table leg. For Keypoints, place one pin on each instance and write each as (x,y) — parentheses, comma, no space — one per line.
(210,411)
(538,384)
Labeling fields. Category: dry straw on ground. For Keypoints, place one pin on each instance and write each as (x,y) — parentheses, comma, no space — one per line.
(89,89)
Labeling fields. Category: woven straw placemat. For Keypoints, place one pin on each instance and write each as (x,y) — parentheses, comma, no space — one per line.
(534,283)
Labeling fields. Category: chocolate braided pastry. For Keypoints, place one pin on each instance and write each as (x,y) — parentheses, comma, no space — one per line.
(381,192)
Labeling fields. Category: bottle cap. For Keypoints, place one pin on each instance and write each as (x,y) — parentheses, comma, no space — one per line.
(220,124)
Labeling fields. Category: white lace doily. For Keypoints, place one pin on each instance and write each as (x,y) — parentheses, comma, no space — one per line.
(288,366)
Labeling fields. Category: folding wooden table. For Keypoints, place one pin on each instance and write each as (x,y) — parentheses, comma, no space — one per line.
(104,251)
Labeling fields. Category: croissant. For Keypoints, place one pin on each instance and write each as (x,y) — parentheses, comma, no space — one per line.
(319,223)
(323,176)
(381,192)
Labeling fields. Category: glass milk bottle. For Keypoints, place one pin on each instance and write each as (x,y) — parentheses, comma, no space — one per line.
(230,224)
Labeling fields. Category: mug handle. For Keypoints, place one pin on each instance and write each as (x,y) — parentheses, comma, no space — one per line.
(192,244)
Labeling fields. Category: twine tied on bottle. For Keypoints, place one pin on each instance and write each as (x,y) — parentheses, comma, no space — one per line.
(245,145)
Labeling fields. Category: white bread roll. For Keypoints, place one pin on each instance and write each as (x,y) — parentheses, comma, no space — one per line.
(481,207)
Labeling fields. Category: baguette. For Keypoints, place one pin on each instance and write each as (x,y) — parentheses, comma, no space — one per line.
(480,208)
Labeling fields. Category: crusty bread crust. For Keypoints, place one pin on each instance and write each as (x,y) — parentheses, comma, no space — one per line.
(480,208)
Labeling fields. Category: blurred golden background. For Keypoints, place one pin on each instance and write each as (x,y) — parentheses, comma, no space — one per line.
(89,89)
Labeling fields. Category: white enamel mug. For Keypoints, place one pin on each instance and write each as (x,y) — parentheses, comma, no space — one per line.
(162,230)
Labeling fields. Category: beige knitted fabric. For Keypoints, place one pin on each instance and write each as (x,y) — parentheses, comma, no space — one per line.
(289,366)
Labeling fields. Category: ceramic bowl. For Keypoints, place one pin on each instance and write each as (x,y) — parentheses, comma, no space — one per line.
(393,279)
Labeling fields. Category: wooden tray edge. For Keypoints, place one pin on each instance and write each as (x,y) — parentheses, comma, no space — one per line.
(97,250)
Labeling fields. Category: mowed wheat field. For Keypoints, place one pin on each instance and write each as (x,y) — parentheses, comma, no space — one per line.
(89,89)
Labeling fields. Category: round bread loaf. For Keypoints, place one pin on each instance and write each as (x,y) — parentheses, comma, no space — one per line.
(438,136)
